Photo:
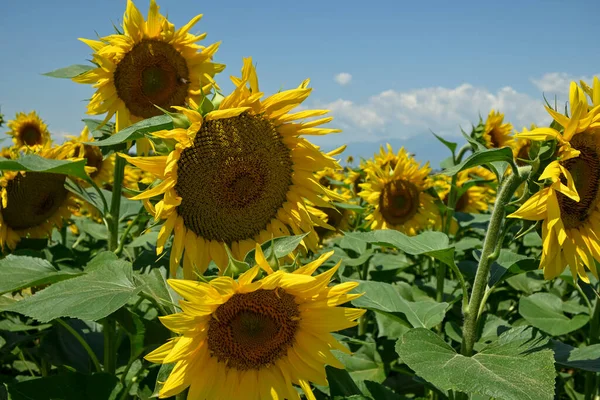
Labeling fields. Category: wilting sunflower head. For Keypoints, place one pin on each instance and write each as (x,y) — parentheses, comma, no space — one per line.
(569,205)
(28,130)
(98,168)
(150,64)
(33,203)
(239,175)
(497,134)
(398,196)
(259,337)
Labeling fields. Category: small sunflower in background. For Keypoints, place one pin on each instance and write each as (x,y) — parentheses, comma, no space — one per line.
(238,176)
(477,198)
(398,196)
(99,169)
(569,207)
(521,147)
(33,203)
(497,134)
(339,219)
(150,63)
(28,130)
(256,337)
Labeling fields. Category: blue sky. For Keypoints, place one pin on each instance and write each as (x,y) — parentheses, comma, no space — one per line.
(413,66)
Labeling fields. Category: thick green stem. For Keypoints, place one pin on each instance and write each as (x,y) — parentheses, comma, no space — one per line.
(121,244)
(461,153)
(591,378)
(83,343)
(115,204)
(110,352)
(488,255)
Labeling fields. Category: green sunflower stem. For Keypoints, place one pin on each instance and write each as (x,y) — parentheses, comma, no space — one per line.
(115,204)
(110,352)
(488,255)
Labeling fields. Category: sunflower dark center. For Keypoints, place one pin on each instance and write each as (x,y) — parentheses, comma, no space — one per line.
(523,154)
(399,202)
(31,135)
(32,199)
(253,330)
(496,138)
(585,171)
(152,72)
(234,179)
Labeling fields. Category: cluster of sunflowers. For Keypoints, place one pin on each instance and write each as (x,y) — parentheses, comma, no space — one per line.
(220,176)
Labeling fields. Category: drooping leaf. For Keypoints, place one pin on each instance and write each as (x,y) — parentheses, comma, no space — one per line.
(482,157)
(517,366)
(586,358)
(19,272)
(383,297)
(69,72)
(35,163)
(545,312)
(89,297)
(136,131)
(434,244)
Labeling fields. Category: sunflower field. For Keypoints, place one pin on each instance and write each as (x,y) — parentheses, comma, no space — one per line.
(194,244)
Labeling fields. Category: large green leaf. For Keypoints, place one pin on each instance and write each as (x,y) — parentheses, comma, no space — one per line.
(482,157)
(383,297)
(434,244)
(509,261)
(518,366)
(35,163)
(67,386)
(70,72)
(586,358)
(19,272)
(341,383)
(545,312)
(155,285)
(137,131)
(89,297)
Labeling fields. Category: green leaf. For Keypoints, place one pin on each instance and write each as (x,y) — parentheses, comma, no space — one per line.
(155,286)
(450,145)
(380,392)
(67,386)
(35,163)
(163,374)
(136,131)
(89,297)
(518,366)
(364,364)
(545,312)
(19,272)
(70,72)
(505,261)
(383,297)
(90,195)
(482,157)
(340,382)
(586,358)
(282,246)
(434,244)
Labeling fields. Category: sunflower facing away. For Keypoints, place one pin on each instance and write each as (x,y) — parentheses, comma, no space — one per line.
(497,134)
(398,195)
(570,206)
(477,198)
(239,176)
(150,63)
(339,219)
(98,168)
(33,203)
(28,130)
(256,338)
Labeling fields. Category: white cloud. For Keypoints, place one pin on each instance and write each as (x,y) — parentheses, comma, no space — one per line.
(395,114)
(557,84)
(343,78)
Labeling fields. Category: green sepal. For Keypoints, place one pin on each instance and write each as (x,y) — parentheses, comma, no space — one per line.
(234,267)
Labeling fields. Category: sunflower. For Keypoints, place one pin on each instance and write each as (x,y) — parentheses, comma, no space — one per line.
(521,147)
(497,134)
(28,130)
(398,195)
(238,176)
(99,169)
(569,207)
(150,64)
(339,219)
(33,203)
(256,338)
(477,198)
